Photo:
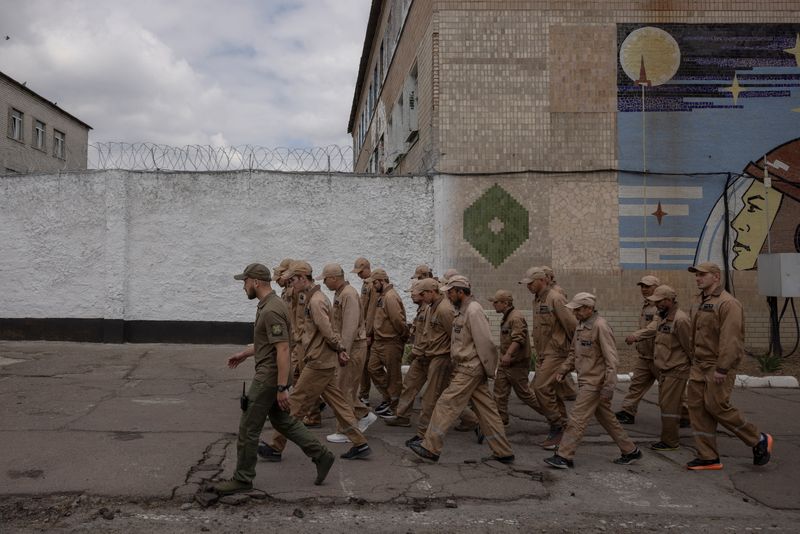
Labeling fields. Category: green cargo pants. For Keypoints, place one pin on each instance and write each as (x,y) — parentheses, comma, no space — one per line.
(263,403)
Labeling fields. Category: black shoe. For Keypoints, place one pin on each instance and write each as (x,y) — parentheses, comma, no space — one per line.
(386,414)
(559,462)
(685,423)
(422,452)
(382,407)
(356,452)
(762,452)
(479,435)
(324,464)
(704,465)
(415,439)
(625,418)
(322,406)
(501,459)
(265,452)
(662,447)
(629,458)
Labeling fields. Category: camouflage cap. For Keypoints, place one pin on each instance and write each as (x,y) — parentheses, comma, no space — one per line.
(256,271)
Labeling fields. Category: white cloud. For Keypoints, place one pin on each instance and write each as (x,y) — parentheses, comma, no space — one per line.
(192,72)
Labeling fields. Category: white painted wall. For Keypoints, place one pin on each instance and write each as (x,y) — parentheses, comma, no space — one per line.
(164,246)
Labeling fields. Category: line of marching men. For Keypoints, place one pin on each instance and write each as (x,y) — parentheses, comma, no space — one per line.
(338,349)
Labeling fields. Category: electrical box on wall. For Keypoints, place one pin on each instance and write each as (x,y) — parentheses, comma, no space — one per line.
(779,275)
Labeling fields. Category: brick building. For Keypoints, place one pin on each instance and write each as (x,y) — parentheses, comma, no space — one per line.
(605,138)
(39,135)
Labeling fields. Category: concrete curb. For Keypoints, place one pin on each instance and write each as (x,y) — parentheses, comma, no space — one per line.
(742,381)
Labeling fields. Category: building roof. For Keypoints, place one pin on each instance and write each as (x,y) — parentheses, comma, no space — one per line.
(42,99)
(374,16)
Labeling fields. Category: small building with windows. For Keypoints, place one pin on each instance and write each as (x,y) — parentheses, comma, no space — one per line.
(38,135)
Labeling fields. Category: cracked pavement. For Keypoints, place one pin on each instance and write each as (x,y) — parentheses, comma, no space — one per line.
(134,424)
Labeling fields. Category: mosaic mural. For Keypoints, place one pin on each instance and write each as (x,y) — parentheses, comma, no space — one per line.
(695,103)
(496,225)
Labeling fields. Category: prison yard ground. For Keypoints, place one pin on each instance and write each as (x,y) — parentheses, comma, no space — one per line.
(122,438)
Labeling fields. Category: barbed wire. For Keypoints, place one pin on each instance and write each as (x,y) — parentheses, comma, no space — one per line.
(152,156)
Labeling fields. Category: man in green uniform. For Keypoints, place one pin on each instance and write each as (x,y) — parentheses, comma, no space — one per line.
(268,395)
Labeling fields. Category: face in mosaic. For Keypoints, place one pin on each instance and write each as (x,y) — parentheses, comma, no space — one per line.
(717,99)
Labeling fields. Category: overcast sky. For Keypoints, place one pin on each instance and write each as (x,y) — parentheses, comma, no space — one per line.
(263,72)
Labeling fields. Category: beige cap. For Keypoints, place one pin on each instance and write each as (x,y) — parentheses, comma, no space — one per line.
(649,281)
(427,284)
(448,274)
(663,292)
(705,267)
(302,268)
(282,267)
(256,271)
(534,273)
(360,265)
(501,295)
(457,280)
(379,274)
(331,269)
(422,271)
(581,299)
(414,289)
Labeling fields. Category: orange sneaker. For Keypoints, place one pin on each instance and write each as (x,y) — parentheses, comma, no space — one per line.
(704,465)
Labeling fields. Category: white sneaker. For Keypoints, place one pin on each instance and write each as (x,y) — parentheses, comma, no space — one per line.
(364,422)
(338,438)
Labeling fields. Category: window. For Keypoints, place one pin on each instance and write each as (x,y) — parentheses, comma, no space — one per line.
(59,147)
(411,110)
(15,117)
(38,135)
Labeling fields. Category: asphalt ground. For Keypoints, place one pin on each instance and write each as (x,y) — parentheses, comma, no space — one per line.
(122,438)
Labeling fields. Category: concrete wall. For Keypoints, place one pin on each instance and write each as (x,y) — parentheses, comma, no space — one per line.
(164,247)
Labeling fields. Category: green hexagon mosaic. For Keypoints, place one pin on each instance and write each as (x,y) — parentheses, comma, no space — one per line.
(496,225)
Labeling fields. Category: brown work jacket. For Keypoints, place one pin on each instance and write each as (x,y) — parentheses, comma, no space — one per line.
(593,355)
(673,343)
(514,327)
(390,316)
(552,325)
(320,343)
(368,304)
(348,320)
(645,336)
(416,330)
(438,328)
(717,333)
(471,348)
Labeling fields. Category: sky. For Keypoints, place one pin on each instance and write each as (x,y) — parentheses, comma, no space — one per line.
(273,73)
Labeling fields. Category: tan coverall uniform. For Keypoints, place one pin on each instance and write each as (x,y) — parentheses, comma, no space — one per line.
(594,357)
(551,330)
(433,367)
(645,372)
(348,324)
(672,357)
(474,358)
(514,328)
(566,389)
(318,377)
(414,379)
(718,343)
(368,314)
(390,333)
